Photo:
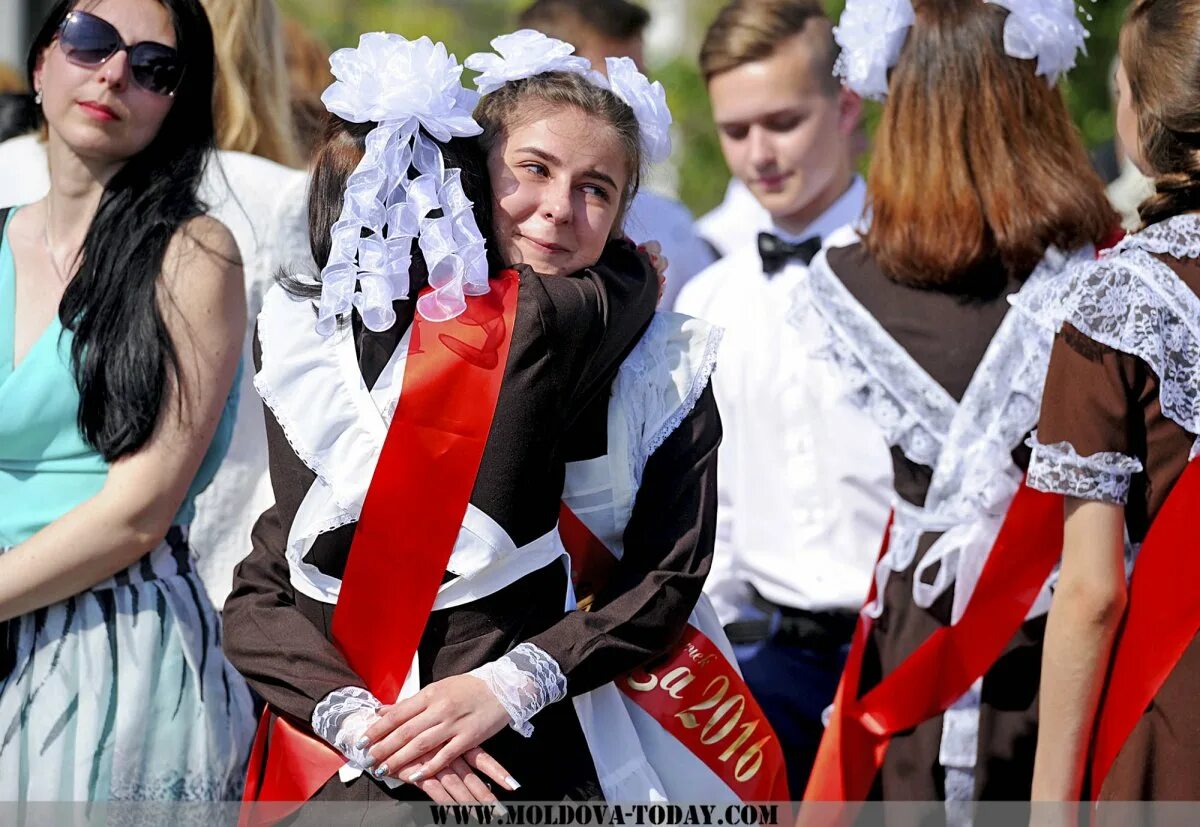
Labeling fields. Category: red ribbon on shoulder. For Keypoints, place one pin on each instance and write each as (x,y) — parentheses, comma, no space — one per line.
(694,692)
(410,521)
(852,751)
(1162,619)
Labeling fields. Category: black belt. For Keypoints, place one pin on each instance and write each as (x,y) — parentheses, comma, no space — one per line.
(795,627)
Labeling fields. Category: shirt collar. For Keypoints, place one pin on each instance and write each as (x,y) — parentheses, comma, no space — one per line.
(848,209)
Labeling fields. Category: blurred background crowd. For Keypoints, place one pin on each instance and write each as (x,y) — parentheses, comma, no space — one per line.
(697,174)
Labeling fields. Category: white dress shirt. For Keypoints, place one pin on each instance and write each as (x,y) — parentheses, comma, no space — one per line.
(264,206)
(736,221)
(655,217)
(804,479)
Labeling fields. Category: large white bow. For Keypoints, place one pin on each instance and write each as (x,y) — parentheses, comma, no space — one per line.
(648,102)
(404,86)
(523,54)
(1044,30)
(871,34)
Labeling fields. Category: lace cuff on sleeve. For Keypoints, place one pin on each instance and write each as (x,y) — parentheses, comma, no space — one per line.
(341,719)
(524,681)
(1059,469)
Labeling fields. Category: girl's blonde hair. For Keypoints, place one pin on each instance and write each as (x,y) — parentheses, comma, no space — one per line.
(252,102)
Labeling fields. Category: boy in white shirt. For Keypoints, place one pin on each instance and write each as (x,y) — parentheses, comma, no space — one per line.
(804,480)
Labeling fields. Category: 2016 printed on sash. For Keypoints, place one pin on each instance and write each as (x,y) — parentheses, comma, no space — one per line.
(682,682)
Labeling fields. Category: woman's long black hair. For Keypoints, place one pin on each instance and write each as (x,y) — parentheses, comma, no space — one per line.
(122,355)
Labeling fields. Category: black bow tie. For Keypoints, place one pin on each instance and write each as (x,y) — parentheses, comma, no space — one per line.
(776,252)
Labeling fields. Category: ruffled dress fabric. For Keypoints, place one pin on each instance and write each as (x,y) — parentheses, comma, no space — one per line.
(122,693)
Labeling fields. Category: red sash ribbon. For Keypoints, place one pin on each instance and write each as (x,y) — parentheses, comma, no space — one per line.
(1162,619)
(852,751)
(1026,550)
(694,693)
(410,521)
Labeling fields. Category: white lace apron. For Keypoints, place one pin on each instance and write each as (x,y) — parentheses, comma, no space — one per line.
(337,427)
(968,445)
(656,388)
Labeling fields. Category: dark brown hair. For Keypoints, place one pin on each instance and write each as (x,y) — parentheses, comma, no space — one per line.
(520,101)
(747,31)
(976,161)
(573,20)
(1160,51)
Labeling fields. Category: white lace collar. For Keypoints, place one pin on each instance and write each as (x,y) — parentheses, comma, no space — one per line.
(1132,302)
(657,387)
(912,410)
(1178,237)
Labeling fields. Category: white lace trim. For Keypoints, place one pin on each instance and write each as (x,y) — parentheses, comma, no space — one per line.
(661,380)
(302,373)
(974,476)
(882,379)
(1059,469)
(341,719)
(1134,303)
(1178,237)
(968,445)
(524,681)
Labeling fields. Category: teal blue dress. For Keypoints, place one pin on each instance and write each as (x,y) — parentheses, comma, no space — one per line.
(120,692)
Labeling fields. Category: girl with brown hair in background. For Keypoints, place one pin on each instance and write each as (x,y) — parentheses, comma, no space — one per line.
(979,192)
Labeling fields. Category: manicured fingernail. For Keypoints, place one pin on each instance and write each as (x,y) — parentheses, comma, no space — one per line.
(362,742)
(499,812)
(511,782)
(370,762)
(416,777)
(381,771)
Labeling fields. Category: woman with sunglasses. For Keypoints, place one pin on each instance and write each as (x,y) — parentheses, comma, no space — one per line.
(121,319)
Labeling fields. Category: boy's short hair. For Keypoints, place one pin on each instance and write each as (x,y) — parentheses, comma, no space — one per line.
(573,20)
(747,31)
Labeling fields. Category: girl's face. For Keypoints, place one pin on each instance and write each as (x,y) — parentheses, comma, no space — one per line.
(1127,127)
(97,109)
(557,182)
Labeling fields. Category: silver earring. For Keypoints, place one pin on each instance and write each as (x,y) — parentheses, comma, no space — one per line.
(38,97)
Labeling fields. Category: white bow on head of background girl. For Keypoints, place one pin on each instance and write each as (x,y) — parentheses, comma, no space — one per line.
(403,86)
(871,34)
(526,53)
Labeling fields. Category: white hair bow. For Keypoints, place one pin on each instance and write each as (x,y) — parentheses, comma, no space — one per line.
(871,34)
(648,102)
(1044,30)
(404,86)
(521,55)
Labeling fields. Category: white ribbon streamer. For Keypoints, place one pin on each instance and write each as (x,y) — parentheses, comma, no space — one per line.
(404,86)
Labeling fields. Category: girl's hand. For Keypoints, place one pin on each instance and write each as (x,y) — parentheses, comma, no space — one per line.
(654,251)
(417,738)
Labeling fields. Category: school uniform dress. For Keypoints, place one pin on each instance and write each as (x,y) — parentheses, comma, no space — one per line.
(1119,422)
(120,692)
(953,379)
(329,402)
(641,477)
(804,485)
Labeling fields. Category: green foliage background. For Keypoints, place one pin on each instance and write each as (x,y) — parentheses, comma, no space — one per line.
(467,26)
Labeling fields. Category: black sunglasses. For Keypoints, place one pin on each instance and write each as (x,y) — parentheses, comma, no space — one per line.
(87,40)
